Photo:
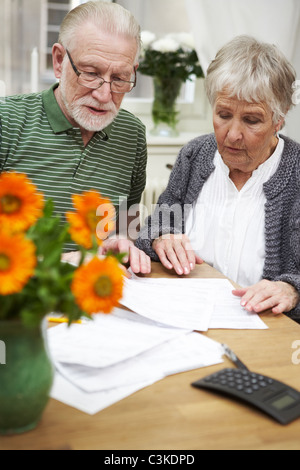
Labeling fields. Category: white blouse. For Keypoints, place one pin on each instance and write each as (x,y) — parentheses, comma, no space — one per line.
(226,226)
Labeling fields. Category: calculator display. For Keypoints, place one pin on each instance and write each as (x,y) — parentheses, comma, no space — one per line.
(283,402)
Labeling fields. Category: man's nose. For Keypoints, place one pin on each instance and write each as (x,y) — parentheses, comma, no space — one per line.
(103,93)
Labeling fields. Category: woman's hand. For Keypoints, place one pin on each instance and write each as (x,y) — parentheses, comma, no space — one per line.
(276,295)
(176,252)
(137,259)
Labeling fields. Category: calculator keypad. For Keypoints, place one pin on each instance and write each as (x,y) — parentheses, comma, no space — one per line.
(243,381)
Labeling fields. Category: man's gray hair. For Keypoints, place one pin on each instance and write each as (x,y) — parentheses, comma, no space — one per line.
(110,17)
(255,72)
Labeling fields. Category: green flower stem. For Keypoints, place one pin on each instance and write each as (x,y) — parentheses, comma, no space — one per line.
(166,92)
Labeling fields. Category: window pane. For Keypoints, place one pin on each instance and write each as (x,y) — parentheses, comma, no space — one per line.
(65,2)
(49,62)
(52,37)
(56,17)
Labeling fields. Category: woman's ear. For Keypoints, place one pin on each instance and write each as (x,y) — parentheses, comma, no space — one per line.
(280,124)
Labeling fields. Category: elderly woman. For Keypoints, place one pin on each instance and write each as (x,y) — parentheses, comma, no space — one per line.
(233,199)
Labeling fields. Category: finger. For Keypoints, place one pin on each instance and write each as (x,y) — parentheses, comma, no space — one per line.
(160,251)
(262,296)
(108,245)
(171,253)
(239,292)
(185,257)
(124,246)
(134,259)
(145,263)
(266,304)
(277,303)
(125,272)
(252,297)
(190,254)
(280,308)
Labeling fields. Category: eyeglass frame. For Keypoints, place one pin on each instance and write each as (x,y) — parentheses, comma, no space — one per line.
(103,81)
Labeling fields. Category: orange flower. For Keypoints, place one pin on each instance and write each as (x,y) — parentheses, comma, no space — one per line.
(94,216)
(17,262)
(20,203)
(98,285)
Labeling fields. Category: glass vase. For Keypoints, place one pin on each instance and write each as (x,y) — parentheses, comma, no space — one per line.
(164,112)
(26,376)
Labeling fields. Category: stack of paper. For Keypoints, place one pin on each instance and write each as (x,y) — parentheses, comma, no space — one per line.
(196,304)
(102,361)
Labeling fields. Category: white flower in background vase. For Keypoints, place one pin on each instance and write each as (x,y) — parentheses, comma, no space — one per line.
(166,44)
(186,40)
(171,61)
(147,39)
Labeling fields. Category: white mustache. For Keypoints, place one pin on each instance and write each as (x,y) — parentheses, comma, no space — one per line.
(96,105)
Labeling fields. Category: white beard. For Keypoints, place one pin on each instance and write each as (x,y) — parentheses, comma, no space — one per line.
(82,116)
(85,119)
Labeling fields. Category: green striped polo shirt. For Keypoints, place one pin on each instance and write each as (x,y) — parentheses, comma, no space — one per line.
(37,139)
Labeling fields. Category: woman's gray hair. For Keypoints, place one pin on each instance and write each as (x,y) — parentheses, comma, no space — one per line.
(255,72)
(110,17)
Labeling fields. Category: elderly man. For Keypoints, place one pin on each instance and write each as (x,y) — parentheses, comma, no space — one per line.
(75,136)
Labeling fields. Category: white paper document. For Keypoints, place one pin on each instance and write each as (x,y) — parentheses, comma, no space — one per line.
(196,304)
(91,388)
(189,351)
(105,340)
(63,390)
(228,313)
(174,302)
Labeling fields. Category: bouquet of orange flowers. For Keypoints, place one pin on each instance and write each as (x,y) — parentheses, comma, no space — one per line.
(33,279)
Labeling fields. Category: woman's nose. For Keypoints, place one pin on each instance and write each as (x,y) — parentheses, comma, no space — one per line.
(235,131)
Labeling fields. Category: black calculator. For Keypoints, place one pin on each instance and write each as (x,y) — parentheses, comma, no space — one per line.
(275,398)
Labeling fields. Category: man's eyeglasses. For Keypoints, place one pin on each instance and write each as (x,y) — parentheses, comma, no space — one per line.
(93,81)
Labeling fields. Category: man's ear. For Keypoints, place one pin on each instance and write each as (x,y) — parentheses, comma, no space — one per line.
(58,53)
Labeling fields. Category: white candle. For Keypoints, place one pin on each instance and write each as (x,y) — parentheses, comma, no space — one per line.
(34,71)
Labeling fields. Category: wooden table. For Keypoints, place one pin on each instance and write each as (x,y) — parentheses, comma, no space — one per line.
(172,415)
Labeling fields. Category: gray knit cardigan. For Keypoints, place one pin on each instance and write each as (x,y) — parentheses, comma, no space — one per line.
(282,209)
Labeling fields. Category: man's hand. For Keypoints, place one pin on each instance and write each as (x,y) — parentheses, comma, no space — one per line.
(276,295)
(176,252)
(137,259)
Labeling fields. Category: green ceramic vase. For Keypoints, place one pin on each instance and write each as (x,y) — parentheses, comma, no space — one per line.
(26,376)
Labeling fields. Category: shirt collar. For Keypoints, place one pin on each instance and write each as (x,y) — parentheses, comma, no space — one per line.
(57,120)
